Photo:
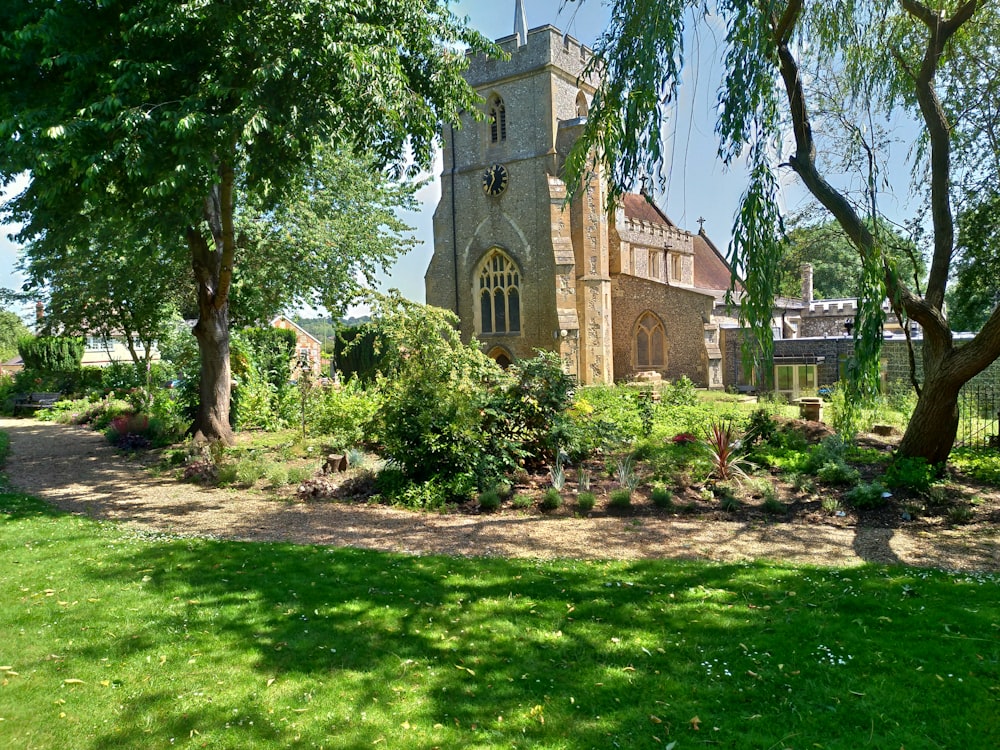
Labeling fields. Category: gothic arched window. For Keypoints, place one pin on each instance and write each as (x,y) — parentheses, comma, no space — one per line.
(497,116)
(499,289)
(650,342)
(582,107)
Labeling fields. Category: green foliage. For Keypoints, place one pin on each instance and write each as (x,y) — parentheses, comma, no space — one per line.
(979,463)
(835,259)
(603,419)
(620,499)
(12,330)
(662,497)
(52,354)
(489,500)
(346,416)
(761,428)
(585,501)
(530,407)
(522,502)
(866,495)
(911,472)
(552,499)
(271,350)
(837,472)
(679,393)
(354,354)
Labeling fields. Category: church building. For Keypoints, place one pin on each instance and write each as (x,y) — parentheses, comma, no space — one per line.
(619,297)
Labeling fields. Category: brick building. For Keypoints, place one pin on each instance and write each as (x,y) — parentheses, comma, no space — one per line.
(614,295)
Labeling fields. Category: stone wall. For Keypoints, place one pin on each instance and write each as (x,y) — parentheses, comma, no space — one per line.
(680,310)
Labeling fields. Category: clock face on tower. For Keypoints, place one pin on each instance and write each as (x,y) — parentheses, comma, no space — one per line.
(495,179)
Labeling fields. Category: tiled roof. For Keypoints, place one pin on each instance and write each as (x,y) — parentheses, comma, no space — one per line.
(711,271)
(638,208)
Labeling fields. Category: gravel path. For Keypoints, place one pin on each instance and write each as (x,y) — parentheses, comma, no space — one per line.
(75,469)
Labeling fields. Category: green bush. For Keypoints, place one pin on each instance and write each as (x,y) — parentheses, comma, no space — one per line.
(662,497)
(345,415)
(53,354)
(489,500)
(620,499)
(551,499)
(837,472)
(866,495)
(522,502)
(910,472)
(585,502)
(679,393)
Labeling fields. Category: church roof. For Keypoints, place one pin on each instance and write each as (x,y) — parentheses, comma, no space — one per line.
(638,208)
(711,271)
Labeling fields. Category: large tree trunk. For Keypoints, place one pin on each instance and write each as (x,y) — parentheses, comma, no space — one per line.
(931,431)
(212,333)
(213,269)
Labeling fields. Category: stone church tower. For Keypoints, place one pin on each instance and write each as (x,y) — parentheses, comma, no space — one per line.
(523,270)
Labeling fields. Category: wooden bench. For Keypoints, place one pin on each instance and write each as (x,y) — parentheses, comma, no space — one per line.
(34,401)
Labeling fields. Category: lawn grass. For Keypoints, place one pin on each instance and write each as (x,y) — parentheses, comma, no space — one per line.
(114,639)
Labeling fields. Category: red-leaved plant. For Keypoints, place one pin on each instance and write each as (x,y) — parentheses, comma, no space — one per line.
(723,448)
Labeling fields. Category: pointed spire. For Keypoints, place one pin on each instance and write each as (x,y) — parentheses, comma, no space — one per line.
(520,24)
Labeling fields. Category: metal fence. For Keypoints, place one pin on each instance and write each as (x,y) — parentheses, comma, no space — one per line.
(979,415)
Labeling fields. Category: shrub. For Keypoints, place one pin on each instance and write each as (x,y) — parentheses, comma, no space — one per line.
(298,474)
(761,428)
(830,504)
(620,499)
(345,415)
(722,446)
(551,499)
(837,472)
(774,506)
(679,393)
(521,502)
(867,495)
(276,475)
(910,472)
(489,500)
(585,502)
(662,497)
(729,503)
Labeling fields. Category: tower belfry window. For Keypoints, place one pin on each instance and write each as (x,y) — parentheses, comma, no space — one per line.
(498,120)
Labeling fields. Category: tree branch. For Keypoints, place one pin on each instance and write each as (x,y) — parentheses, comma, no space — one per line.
(939,133)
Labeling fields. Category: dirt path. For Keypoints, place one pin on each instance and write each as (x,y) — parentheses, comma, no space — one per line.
(76,470)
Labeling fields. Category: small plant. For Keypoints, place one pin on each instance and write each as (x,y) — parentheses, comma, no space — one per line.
(763,488)
(248,471)
(585,502)
(837,472)
(959,514)
(803,483)
(627,478)
(557,474)
(298,474)
(830,504)
(552,499)
(620,499)
(356,458)
(910,472)
(583,480)
(276,475)
(662,497)
(774,506)
(729,503)
(762,428)
(684,438)
(489,500)
(522,502)
(867,495)
(723,446)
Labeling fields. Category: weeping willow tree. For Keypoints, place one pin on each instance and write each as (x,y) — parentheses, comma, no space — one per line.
(795,71)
